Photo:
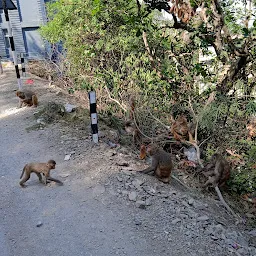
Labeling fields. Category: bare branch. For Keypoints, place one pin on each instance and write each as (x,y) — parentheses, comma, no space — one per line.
(144,36)
(116,101)
(224,202)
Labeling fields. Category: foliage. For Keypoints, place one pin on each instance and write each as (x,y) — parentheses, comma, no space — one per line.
(127,50)
(243,178)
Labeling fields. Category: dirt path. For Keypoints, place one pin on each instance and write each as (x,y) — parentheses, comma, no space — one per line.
(94,212)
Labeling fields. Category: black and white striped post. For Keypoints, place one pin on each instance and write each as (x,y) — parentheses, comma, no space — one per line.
(1,66)
(93,112)
(22,60)
(11,6)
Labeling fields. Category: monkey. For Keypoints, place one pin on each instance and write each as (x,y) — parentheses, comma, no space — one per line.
(161,163)
(38,169)
(179,128)
(217,171)
(131,128)
(28,98)
(143,152)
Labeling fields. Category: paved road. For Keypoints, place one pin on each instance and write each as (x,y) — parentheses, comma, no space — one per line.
(74,222)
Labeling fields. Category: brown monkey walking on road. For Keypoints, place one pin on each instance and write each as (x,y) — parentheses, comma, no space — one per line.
(28,98)
(38,169)
(161,163)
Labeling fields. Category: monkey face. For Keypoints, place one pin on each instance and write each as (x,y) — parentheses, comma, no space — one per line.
(20,94)
(51,164)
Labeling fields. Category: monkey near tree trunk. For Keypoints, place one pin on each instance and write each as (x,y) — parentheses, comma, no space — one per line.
(217,171)
(161,163)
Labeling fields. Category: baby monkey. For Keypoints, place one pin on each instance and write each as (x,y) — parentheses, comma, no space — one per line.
(38,169)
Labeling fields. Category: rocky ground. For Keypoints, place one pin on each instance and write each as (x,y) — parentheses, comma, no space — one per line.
(105,207)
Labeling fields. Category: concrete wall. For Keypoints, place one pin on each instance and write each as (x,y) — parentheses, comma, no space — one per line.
(25,23)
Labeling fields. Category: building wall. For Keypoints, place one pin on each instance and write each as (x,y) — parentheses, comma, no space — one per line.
(25,23)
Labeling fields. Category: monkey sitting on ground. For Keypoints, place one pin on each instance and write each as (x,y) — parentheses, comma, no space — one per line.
(28,98)
(217,171)
(161,163)
(38,169)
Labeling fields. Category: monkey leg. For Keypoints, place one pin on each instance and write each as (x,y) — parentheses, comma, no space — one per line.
(208,173)
(27,102)
(44,180)
(26,177)
(39,177)
(163,173)
(211,180)
(20,103)
(34,101)
(55,180)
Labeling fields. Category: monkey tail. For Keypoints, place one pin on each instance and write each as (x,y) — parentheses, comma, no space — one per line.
(23,171)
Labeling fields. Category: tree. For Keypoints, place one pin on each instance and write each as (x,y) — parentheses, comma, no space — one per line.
(152,52)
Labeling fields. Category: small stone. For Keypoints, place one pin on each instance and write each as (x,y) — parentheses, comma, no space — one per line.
(69,107)
(67,157)
(148,202)
(137,221)
(40,121)
(214,238)
(137,183)
(185,204)
(64,175)
(188,233)
(175,221)
(141,204)
(252,232)
(172,192)
(191,201)
(183,216)
(125,192)
(119,179)
(39,224)
(203,218)
(149,190)
(132,196)
(111,144)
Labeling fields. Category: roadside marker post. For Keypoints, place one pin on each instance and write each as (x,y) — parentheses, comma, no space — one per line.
(22,60)
(1,66)
(94,120)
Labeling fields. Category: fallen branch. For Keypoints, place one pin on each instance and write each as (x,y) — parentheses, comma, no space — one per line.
(179,181)
(224,202)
